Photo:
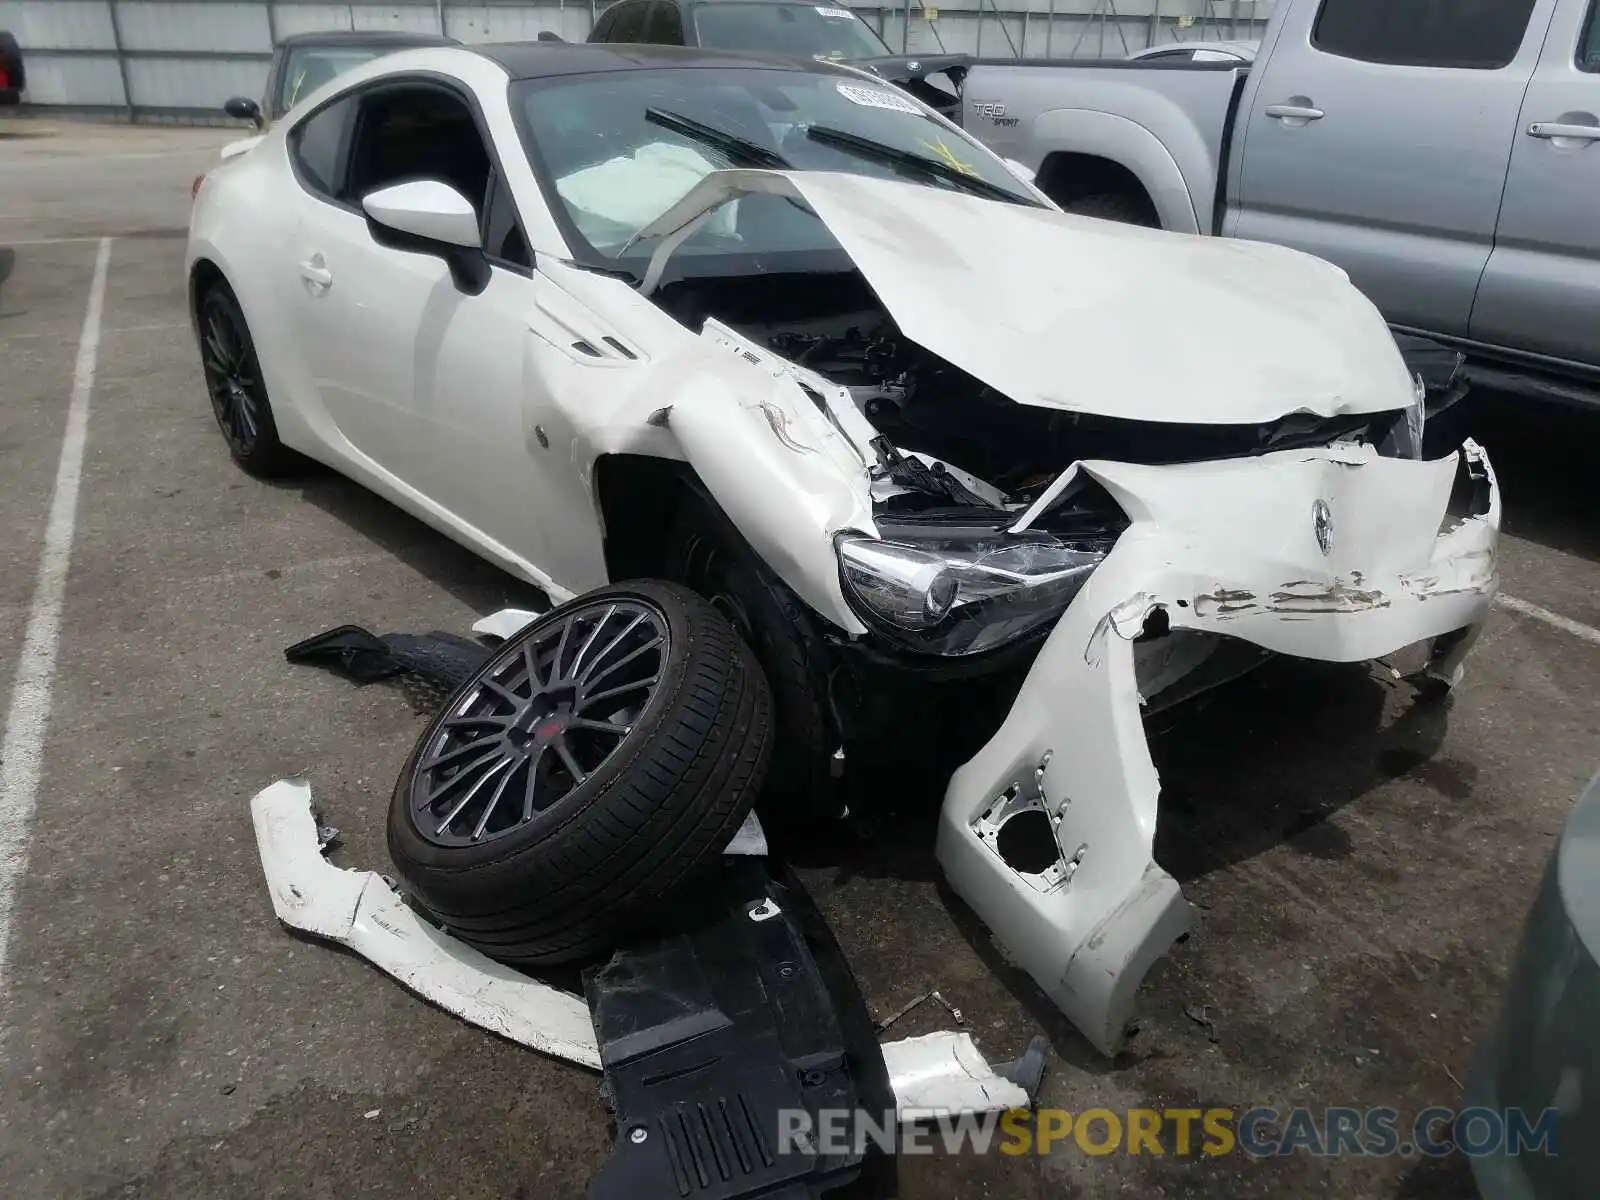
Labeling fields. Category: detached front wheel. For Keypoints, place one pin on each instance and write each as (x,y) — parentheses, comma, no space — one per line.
(593,766)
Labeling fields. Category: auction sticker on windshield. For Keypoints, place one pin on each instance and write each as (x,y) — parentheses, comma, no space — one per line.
(844,13)
(871,97)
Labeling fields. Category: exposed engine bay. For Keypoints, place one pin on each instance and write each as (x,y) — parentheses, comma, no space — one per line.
(832,323)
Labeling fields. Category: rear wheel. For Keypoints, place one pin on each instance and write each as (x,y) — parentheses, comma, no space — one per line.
(238,393)
(598,762)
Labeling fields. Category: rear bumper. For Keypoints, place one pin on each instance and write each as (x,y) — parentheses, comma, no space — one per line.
(1335,554)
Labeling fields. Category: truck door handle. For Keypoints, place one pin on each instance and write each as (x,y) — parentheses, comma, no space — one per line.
(1549,129)
(1294,112)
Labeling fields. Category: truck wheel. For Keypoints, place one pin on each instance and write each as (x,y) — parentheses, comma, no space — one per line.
(1114,206)
(592,767)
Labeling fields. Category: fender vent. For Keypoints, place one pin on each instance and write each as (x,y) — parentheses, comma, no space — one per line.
(608,348)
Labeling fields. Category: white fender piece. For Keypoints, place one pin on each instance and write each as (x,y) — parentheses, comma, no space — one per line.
(937,1074)
(360,909)
(505,623)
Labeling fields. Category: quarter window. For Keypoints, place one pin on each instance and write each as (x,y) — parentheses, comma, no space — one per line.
(1471,34)
(1589,48)
(317,148)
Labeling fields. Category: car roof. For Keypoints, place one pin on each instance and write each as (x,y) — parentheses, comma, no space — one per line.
(537,60)
(367,37)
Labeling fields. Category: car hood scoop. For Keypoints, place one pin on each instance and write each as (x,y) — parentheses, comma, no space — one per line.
(1090,316)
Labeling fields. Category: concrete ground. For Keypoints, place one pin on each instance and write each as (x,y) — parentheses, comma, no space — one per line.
(1362,864)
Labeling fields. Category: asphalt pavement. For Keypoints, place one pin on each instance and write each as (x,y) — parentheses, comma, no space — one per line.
(1362,863)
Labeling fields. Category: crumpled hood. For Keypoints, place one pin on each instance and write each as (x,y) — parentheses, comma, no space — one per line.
(1091,316)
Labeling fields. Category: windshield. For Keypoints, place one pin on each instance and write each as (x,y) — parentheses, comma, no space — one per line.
(813,31)
(616,150)
(309,67)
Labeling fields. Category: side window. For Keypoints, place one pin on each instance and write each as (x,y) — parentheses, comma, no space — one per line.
(629,24)
(1589,48)
(417,131)
(502,233)
(666,24)
(1473,34)
(316,147)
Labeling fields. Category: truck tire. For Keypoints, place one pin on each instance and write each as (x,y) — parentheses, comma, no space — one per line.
(543,817)
(1113,206)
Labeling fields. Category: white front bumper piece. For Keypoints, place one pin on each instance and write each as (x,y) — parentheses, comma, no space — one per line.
(1336,554)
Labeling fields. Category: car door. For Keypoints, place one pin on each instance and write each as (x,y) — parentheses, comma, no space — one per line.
(424,381)
(1541,291)
(1378,136)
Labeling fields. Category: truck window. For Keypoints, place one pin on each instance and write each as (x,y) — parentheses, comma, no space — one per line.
(627,21)
(665,26)
(1472,34)
(1589,48)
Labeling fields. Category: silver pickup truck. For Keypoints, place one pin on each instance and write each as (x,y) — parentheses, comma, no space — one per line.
(1446,155)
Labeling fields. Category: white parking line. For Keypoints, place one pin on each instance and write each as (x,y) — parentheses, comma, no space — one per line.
(1555,620)
(21,754)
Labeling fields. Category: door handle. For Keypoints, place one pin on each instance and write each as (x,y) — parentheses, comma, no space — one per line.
(1294,112)
(312,273)
(1551,129)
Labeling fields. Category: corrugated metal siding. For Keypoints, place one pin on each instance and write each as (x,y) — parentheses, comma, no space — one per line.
(411,17)
(59,24)
(310,18)
(83,80)
(158,83)
(146,25)
(190,55)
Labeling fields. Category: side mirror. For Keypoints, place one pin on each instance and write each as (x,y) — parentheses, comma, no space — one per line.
(1026,174)
(242,108)
(547,35)
(428,216)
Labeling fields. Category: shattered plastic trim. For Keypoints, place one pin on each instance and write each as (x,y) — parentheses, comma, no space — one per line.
(1392,571)
(362,910)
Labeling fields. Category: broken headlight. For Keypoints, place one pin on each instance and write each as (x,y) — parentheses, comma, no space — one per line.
(963,595)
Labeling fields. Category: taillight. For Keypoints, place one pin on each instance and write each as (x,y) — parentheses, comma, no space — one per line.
(195,189)
(5,76)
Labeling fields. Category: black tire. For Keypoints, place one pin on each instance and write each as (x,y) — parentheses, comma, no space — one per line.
(238,393)
(1113,206)
(707,553)
(630,830)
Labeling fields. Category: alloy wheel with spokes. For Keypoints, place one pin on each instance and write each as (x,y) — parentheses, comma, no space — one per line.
(235,385)
(584,775)
(540,722)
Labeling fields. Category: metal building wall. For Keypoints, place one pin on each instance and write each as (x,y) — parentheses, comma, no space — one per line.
(183,58)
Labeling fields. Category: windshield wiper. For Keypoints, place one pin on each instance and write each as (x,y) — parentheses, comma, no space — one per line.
(739,149)
(896,157)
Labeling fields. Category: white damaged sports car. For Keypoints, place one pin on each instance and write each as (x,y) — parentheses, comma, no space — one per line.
(976,482)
